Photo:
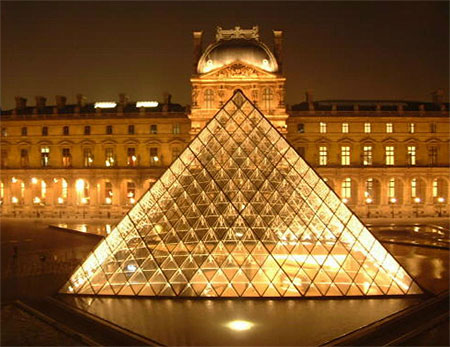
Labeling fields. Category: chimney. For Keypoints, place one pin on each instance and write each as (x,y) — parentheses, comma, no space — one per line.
(438,96)
(60,101)
(123,99)
(167,101)
(81,100)
(309,97)
(21,103)
(40,101)
(197,36)
(278,48)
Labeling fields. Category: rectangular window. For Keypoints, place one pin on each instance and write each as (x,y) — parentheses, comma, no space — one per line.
(391,188)
(369,188)
(433,153)
(66,130)
(412,155)
(45,154)
(435,188)
(154,157)
(153,129)
(414,187)
(109,130)
(367,155)
(66,157)
(346,188)
(23,157)
(433,127)
(323,155)
(367,128)
(109,157)
(131,192)
(108,192)
(344,128)
(87,157)
(389,128)
(412,128)
(131,130)
(131,157)
(300,128)
(44,131)
(323,127)
(389,153)
(24,131)
(175,153)
(301,151)
(176,128)
(345,155)
(87,130)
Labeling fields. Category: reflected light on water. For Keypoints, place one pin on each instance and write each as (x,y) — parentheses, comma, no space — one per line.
(240,325)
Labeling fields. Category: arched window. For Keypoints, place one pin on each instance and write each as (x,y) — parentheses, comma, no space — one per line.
(267,97)
(209,98)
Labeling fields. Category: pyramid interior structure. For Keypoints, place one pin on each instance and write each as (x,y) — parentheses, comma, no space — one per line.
(240,214)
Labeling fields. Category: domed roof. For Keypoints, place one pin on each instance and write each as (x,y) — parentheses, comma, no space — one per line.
(224,52)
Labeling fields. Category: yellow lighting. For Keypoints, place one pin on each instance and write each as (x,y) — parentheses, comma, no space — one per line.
(107,163)
(132,201)
(90,160)
(36,200)
(393,200)
(34,180)
(13,180)
(146,104)
(55,180)
(84,201)
(130,194)
(105,104)
(344,200)
(133,158)
(369,200)
(79,185)
(417,200)
(108,228)
(240,325)
(108,200)
(14,200)
(441,200)
(155,159)
(60,200)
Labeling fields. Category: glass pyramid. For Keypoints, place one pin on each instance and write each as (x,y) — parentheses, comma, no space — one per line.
(240,214)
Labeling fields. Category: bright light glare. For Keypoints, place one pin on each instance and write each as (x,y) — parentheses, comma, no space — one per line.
(60,200)
(146,104)
(240,325)
(108,200)
(369,200)
(79,185)
(14,200)
(417,200)
(34,180)
(393,200)
(441,199)
(105,104)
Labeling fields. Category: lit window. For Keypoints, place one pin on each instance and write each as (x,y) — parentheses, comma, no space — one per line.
(367,155)
(131,192)
(24,158)
(323,127)
(367,128)
(82,189)
(345,155)
(433,153)
(267,97)
(64,188)
(153,129)
(369,188)
(391,188)
(412,155)
(131,157)
(300,128)
(24,131)
(344,128)
(414,187)
(323,155)
(435,188)
(389,155)
(109,130)
(108,192)
(412,128)
(66,130)
(109,157)
(87,157)
(154,157)
(44,131)
(175,153)
(176,129)
(87,130)
(346,188)
(43,189)
(209,98)
(389,128)
(66,157)
(45,154)
(131,130)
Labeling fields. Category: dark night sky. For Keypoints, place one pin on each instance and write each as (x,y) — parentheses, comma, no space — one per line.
(339,50)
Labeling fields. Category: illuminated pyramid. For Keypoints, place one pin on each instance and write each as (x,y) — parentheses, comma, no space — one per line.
(240,214)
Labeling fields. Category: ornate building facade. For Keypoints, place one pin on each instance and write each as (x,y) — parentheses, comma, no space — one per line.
(94,160)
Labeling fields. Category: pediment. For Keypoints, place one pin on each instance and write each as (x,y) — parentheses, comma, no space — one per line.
(238,70)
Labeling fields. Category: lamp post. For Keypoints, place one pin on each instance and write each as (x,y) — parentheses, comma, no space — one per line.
(441,201)
(368,202)
(417,201)
(392,202)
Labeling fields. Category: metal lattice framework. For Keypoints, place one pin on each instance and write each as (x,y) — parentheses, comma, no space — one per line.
(240,214)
